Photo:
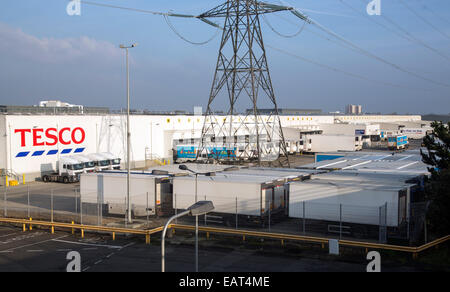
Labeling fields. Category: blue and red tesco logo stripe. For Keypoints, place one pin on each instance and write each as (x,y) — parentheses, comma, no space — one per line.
(49,153)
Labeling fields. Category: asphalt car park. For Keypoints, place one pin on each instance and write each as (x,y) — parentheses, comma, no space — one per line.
(41,251)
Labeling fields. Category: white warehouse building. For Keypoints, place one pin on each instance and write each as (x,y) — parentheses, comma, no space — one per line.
(32,144)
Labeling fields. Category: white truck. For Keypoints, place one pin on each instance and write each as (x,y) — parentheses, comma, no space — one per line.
(101,163)
(89,165)
(69,171)
(114,160)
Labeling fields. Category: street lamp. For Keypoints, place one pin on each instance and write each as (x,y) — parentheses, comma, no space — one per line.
(198,209)
(184,167)
(128,134)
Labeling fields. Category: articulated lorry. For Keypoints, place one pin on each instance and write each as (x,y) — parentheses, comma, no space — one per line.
(68,171)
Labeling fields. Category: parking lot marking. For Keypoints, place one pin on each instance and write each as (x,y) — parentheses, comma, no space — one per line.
(6,235)
(128,245)
(32,244)
(88,244)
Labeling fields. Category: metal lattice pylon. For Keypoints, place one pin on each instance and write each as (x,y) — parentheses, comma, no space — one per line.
(242,71)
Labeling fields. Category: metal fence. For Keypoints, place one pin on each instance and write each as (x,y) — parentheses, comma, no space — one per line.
(302,218)
(338,221)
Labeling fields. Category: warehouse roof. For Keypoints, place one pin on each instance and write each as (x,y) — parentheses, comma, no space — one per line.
(233,178)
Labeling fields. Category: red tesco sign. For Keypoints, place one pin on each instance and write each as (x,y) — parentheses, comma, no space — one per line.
(51,136)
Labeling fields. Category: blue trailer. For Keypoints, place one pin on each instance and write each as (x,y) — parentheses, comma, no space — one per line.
(398,142)
(189,153)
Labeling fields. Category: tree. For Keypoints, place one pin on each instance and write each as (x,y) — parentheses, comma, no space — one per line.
(437,187)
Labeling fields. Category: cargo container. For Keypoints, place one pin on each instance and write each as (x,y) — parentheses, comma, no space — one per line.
(331,143)
(149,194)
(362,197)
(252,199)
(398,142)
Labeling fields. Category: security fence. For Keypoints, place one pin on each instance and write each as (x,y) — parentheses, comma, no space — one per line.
(272,214)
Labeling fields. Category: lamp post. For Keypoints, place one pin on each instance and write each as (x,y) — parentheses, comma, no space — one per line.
(184,167)
(129,219)
(198,209)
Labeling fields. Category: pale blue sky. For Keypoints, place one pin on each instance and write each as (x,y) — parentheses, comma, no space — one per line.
(46,54)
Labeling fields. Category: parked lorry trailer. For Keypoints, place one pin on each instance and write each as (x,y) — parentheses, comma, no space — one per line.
(398,142)
(352,199)
(331,143)
(68,171)
(149,194)
(249,198)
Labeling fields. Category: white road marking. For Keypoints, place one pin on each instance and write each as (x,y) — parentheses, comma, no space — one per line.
(359,164)
(35,250)
(89,244)
(6,251)
(36,243)
(405,166)
(382,157)
(98,262)
(6,235)
(404,158)
(85,269)
(110,255)
(334,163)
(128,245)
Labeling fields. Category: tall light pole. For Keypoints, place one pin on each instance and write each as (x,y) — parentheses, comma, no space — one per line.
(129,219)
(184,167)
(198,209)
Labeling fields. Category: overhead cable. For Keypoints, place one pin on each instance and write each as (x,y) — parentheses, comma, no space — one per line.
(354,75)
(169,23)
(363,51)
(281,34)
(424,19)
(404,33)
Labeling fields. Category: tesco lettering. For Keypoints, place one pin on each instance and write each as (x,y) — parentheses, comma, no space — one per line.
(51,136)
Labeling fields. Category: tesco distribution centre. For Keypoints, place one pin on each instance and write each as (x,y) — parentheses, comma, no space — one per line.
(32,144)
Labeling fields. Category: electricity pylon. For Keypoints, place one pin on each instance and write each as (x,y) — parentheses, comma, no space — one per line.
(242,71)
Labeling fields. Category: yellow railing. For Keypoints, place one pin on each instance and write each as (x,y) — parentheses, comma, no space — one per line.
(28,224)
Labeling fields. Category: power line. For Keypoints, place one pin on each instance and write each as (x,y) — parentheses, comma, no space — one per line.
(424,19)
(363,51)
(169,23)
(337,70)
(280,34)
(296,13)
(406,35)
(437,15)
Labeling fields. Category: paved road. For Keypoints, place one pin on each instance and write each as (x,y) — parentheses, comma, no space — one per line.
(65,197)
(40,251)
